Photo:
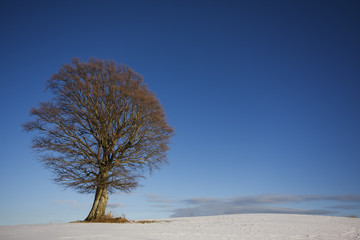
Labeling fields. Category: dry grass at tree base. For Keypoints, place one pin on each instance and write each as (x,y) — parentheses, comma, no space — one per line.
(110,218)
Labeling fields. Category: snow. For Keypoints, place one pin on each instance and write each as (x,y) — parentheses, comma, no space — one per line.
(225,227)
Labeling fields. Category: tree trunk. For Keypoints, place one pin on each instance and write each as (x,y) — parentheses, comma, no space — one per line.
(99,205)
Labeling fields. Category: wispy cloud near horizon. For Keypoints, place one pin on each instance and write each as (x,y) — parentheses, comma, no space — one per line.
(253,204)
(72,203)
(115,205)
(155,198)
(351,207)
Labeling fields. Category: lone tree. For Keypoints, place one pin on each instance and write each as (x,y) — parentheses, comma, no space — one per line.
(101,130)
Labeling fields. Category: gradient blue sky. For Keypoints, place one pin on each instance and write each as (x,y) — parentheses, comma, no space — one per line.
(263,95)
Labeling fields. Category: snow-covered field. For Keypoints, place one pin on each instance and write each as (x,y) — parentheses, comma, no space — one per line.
(242,226)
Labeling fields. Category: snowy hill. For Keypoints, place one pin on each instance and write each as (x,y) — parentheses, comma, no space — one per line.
(241,226)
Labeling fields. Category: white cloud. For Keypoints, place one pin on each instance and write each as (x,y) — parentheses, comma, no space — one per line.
(259,204)
(349,207)
(222,210)
(155,198)
(72,203)
(115,205)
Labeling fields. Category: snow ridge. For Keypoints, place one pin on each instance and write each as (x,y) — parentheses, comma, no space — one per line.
(224,227)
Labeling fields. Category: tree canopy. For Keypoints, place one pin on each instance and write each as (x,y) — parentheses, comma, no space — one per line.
(101,129)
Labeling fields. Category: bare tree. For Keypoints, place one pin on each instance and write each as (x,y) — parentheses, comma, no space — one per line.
(101,130)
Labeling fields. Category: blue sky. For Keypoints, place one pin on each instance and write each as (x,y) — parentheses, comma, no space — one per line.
(263,95)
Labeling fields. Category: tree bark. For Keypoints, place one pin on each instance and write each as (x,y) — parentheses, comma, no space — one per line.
(99,205)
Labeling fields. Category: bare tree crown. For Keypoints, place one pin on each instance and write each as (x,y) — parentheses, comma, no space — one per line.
(102,128)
